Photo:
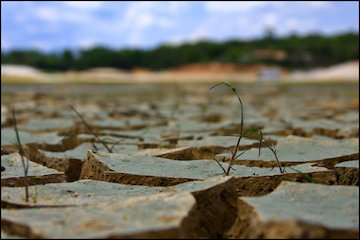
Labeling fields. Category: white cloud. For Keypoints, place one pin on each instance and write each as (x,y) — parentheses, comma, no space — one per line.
(85,5)
(143,14)
(53,14)
(297,25)
(298,6)
(40,44)
(139,17)
(176,7)
(270,19)
(316,4)
(47,14)
(198,34)
(144,23)
(86,43)
(246,6)
(146,19)
(229,6)
(135,38)
(160,7)
(175,41)
(292,23)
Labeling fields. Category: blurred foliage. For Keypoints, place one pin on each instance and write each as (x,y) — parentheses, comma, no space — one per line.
(302,52)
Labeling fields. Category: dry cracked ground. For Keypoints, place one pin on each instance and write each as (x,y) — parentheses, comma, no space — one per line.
(159,180)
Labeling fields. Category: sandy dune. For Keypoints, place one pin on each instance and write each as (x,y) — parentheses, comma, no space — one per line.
(348,71)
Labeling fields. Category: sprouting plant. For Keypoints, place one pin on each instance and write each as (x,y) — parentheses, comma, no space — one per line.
(242,134)
(24,160)
(91,130)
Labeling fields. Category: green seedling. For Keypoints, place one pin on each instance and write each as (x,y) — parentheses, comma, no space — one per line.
(25,163)
(90,129)
(244,134)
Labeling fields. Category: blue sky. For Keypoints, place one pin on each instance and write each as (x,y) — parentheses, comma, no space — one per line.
(52,26)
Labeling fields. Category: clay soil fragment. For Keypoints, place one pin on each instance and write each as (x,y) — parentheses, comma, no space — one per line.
(8,137)
(71,161)
(203,209)
(13,176)
(325,127)
(347,172)
(348,164)
(84,192)
(46,124)
(295,150)
(300,210)
(156,171)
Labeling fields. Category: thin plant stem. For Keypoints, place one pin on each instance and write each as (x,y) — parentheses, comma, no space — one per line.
(233,155)
(88,126)
(25,164)
(241,123)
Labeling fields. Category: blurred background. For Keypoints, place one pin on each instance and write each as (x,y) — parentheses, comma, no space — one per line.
(179,41)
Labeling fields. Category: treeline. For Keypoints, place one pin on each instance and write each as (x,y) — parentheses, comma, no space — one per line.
(294,51)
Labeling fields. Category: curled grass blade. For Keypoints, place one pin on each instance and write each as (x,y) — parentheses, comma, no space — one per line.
(238,96)
(302,173)
(241,154)
(252,129)
(217,163)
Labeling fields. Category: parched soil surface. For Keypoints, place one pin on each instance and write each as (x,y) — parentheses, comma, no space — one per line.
(142,164)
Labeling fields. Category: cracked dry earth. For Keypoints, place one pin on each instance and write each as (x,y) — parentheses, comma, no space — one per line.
(160,182)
